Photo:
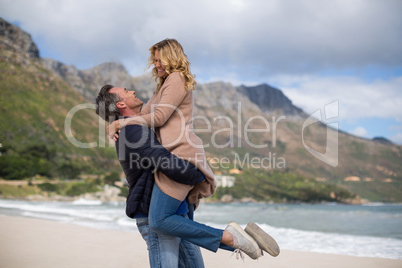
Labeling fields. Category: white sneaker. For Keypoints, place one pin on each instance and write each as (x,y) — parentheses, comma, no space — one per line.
(264,240)
(243,241)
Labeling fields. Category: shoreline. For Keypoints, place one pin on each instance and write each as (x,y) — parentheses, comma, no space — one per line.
(64,198)
(31,242)
(114,195)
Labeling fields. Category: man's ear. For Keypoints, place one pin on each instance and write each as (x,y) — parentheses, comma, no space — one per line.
(120,105)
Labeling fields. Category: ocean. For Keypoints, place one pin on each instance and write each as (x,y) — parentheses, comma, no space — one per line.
(372,230)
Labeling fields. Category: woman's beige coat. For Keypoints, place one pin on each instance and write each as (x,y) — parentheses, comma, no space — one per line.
(170,113)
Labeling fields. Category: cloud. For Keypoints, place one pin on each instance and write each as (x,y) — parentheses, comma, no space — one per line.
(397,138)
(250,38)
(304,47)
(360,132)
(357,98)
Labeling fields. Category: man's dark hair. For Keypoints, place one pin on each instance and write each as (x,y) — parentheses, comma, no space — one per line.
(106,106)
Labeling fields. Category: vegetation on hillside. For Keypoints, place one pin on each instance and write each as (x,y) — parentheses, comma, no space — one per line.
(282,186)
(33,160)
(50,188)
(34,110)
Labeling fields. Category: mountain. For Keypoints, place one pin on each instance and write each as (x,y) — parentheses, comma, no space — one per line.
(227,111)
(88,82)
(12,38)
(383,140)
(245,128)
(35,108)
(270,99)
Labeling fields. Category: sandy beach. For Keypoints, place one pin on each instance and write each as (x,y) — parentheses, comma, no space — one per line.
(28,242)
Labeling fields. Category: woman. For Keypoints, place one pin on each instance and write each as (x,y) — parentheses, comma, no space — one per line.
(170,112)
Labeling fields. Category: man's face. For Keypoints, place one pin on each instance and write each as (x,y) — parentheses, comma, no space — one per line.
(128,98)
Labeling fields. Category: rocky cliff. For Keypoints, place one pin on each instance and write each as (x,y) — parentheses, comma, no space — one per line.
(262,99)
(13,38)
(34,109)
(270,99)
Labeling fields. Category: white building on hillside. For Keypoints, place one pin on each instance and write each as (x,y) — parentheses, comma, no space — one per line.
(224,181)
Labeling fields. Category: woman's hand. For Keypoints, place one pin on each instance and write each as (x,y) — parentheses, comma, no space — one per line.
(116,135)
(112,129)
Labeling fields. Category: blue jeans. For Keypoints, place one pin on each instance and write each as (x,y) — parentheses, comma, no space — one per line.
(168,251)
(163,220)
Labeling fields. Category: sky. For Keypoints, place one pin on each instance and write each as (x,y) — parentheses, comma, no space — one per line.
(315,51)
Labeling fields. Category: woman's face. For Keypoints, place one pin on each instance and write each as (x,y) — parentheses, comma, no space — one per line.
(159,66)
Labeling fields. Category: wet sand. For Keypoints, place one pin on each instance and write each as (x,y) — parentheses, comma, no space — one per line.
(28,242)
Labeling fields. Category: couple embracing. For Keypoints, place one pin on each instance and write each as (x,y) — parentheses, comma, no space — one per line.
(160,155)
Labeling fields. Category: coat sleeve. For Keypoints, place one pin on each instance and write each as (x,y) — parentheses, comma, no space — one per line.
(145,151)
(171,96)
(146,109)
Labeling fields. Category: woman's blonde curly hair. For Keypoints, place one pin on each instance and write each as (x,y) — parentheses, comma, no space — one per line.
(173,57)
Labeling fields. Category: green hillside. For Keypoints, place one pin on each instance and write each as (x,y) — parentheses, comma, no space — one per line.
(34,106)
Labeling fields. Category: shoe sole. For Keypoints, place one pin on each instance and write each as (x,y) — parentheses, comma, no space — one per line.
(243,233)
(264,240)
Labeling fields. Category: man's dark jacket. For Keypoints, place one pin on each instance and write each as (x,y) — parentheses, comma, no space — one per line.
(140,154)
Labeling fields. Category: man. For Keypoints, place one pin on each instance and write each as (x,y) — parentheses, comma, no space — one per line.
(140,154)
